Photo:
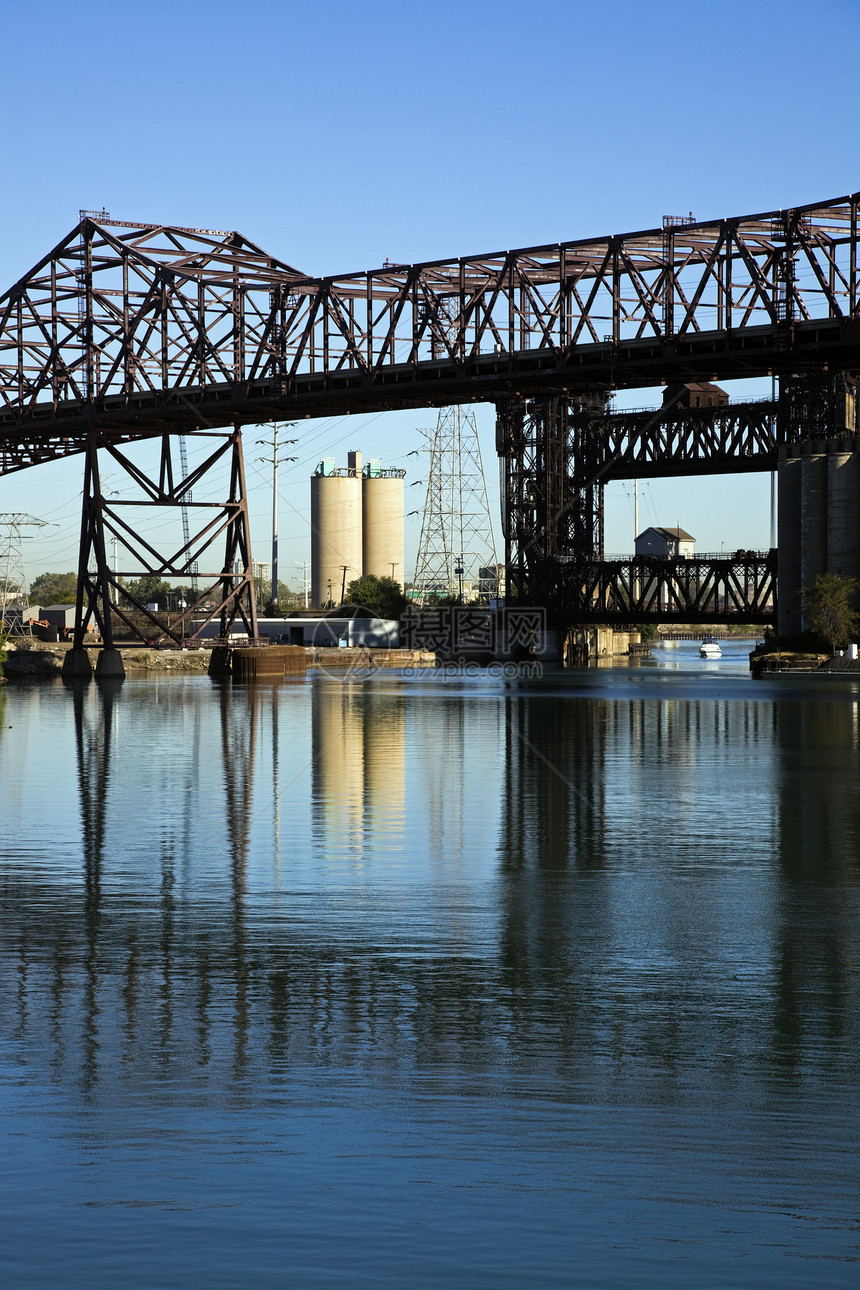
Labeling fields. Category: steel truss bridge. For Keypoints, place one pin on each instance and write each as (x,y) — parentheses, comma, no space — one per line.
(128,331)
(737,588)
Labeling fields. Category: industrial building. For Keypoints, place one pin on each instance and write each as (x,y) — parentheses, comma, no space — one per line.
(356,526)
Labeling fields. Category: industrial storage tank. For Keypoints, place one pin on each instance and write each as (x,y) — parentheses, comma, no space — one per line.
(336,554)
(382,521)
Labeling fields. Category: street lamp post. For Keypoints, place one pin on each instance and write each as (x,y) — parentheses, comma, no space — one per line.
(303,565)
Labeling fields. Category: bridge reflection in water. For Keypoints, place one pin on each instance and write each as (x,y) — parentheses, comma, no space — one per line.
(410,879)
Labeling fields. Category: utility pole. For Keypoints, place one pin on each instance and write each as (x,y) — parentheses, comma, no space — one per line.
(306,582)
(275,460)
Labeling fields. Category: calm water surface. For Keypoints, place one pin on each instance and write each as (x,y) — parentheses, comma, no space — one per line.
(423,981)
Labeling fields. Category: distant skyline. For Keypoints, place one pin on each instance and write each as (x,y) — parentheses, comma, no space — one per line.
(341,136)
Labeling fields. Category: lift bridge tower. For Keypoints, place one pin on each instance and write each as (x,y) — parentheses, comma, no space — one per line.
(456,528)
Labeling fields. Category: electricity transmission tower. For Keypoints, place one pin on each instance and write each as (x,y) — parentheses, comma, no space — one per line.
(14,583)
(456,529)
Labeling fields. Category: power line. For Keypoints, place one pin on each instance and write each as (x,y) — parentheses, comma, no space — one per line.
(14,584)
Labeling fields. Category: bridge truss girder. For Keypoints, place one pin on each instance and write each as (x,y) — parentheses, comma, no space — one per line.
(740,589)
(126,325)
(679,441)
(225,591)
(127,331)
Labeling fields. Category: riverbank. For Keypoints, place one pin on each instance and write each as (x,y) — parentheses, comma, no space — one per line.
(780,662)
(32,658)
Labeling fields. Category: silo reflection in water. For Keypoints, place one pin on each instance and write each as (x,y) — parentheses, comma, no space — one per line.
(358,768)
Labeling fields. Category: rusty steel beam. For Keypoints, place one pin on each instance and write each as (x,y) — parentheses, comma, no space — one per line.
(740,588)
(140,328)
(679,441)
(547,511)
(559,453)
(225,589)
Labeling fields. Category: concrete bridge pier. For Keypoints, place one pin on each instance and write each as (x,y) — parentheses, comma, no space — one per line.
(77,666)
(109,665)
(843,511)
(819,520)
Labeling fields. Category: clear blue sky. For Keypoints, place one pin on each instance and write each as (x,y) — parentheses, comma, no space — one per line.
(339,134)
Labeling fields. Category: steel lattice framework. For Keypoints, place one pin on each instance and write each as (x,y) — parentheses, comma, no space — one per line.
(456,527)
(560,452)
(679,441)
(738,589)
(126,331)
(141,328)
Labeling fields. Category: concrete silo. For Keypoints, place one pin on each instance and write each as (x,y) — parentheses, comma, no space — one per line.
(382,522)
(335,528)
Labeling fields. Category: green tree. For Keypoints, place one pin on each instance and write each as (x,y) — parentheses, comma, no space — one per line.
(149,589)
(287,598)
(54,589)
(382,596)
(828,608)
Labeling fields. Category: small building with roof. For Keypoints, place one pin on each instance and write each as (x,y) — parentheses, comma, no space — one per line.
(698,394)
(666,544)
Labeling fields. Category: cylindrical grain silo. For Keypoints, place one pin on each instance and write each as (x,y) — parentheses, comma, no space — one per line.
(382,520)
(843,509)
(335,530)
(788,540)
(813,512)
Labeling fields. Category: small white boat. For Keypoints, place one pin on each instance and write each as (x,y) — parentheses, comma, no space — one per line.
(710,648)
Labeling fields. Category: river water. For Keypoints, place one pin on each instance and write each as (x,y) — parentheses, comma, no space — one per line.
(432,980)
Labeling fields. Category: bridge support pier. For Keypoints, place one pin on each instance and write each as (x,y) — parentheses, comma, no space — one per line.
(552,507)
(225,592)
(819,487)
(109,665)
(819,520)
(76,665)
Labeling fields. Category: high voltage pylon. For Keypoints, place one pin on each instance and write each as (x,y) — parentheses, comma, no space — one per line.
(456,528)
(14,582)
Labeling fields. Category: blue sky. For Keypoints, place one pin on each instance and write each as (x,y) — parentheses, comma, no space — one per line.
(339,135)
